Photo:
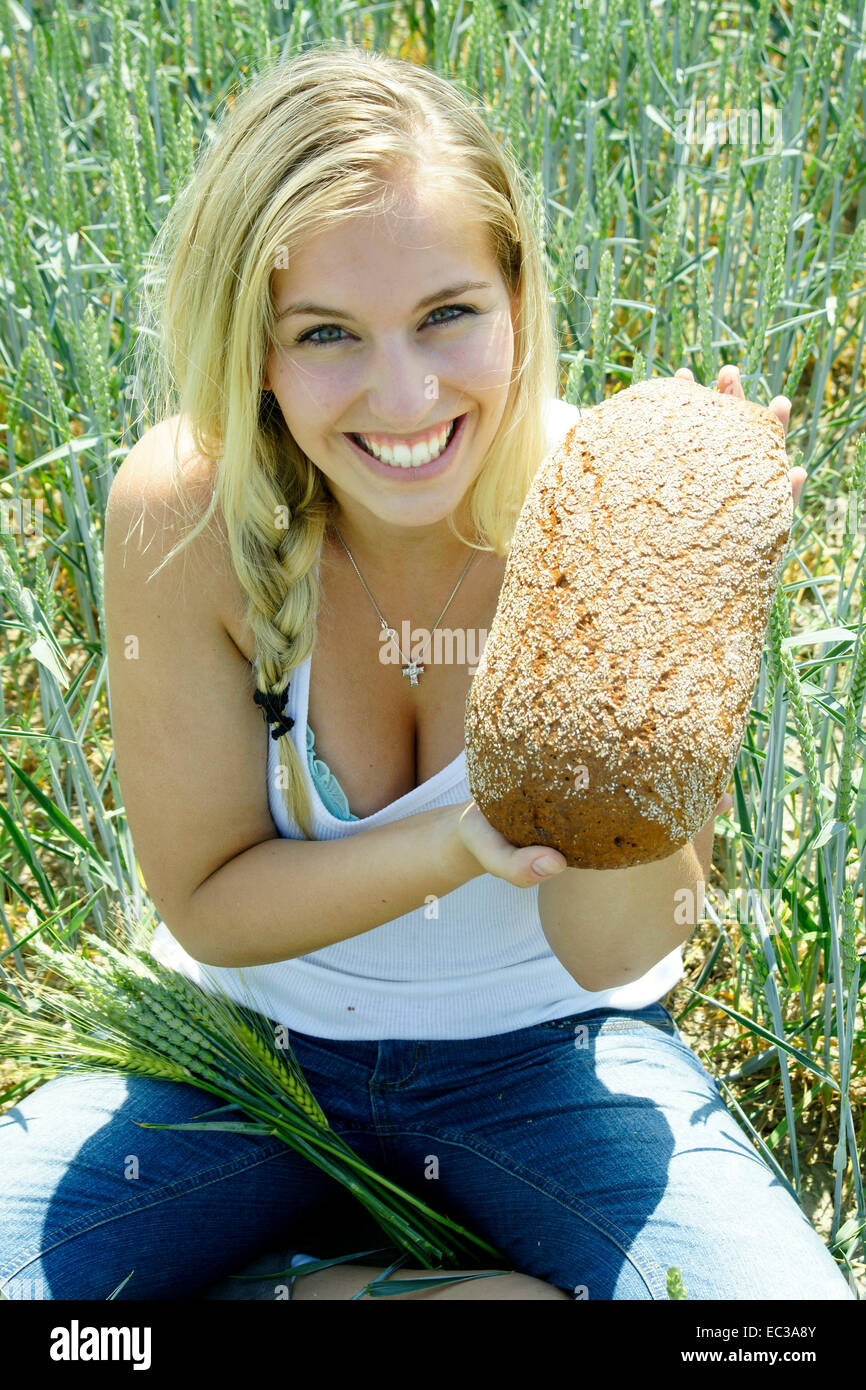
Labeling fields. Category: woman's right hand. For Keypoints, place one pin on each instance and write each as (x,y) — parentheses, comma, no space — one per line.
(496,855)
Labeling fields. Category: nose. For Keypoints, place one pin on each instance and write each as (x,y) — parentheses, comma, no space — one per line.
(401,390)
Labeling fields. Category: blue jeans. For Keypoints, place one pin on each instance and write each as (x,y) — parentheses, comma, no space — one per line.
(594,1151)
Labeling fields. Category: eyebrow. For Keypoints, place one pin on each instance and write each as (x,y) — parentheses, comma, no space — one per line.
(304,306)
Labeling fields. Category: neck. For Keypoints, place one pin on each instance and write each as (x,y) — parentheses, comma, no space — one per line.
(384,550)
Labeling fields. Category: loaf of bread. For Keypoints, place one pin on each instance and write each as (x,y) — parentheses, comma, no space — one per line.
(612,694)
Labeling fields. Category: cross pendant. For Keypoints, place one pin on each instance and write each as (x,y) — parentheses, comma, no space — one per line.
(413,671)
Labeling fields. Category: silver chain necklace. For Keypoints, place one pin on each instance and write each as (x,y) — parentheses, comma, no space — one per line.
(412,669)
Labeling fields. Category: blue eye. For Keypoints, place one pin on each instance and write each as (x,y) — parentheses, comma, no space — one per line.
(308,336)
(323,328)
(458,308)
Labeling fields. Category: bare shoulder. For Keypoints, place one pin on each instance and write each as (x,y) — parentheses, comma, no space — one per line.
(159,494)
(162,475)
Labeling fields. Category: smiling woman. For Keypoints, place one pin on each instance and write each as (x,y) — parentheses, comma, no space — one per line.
(353,267)
(402,391)
(373,320)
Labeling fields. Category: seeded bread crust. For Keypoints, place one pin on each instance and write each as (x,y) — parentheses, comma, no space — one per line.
(612,694)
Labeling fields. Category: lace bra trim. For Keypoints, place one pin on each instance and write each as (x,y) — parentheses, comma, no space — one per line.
(329,788)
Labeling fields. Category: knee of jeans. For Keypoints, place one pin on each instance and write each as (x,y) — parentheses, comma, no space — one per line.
(24,1286)
(40,1139)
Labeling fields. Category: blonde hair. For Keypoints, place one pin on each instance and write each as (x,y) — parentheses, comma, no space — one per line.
(324,134)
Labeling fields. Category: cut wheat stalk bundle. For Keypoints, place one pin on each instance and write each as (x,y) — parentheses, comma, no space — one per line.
(120,1009)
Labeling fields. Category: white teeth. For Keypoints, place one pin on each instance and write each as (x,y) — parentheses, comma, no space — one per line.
(401,456)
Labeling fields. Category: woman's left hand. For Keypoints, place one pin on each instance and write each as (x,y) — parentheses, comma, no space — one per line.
(729,382)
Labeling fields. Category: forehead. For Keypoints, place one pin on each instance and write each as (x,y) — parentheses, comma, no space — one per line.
(393,256)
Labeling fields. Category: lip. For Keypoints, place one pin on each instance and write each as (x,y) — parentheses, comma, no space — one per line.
(424,471)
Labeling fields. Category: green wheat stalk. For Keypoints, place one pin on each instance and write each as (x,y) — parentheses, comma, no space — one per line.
(120,1009)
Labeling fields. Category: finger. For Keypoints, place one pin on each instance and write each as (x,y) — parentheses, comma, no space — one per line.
(725,804)
(798,480)
(498,856)
(781,408)
(544,863)
(729,382)
(686,373)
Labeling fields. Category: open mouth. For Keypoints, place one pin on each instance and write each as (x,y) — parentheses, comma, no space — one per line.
(410,465)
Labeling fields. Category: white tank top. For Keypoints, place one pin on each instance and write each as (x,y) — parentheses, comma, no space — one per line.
(469,964)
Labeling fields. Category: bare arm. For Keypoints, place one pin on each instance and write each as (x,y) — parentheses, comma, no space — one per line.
(285,898)
(610,926)
(340,888)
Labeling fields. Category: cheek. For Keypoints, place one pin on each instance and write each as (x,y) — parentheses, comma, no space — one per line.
(313,385)
(486,356)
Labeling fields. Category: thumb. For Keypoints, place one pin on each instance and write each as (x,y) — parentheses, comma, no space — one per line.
(544,863)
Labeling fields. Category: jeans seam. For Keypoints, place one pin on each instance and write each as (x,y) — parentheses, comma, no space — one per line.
(608,1025)
(422,1051)
(672,1034)
(655,1281)
(106,1214)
